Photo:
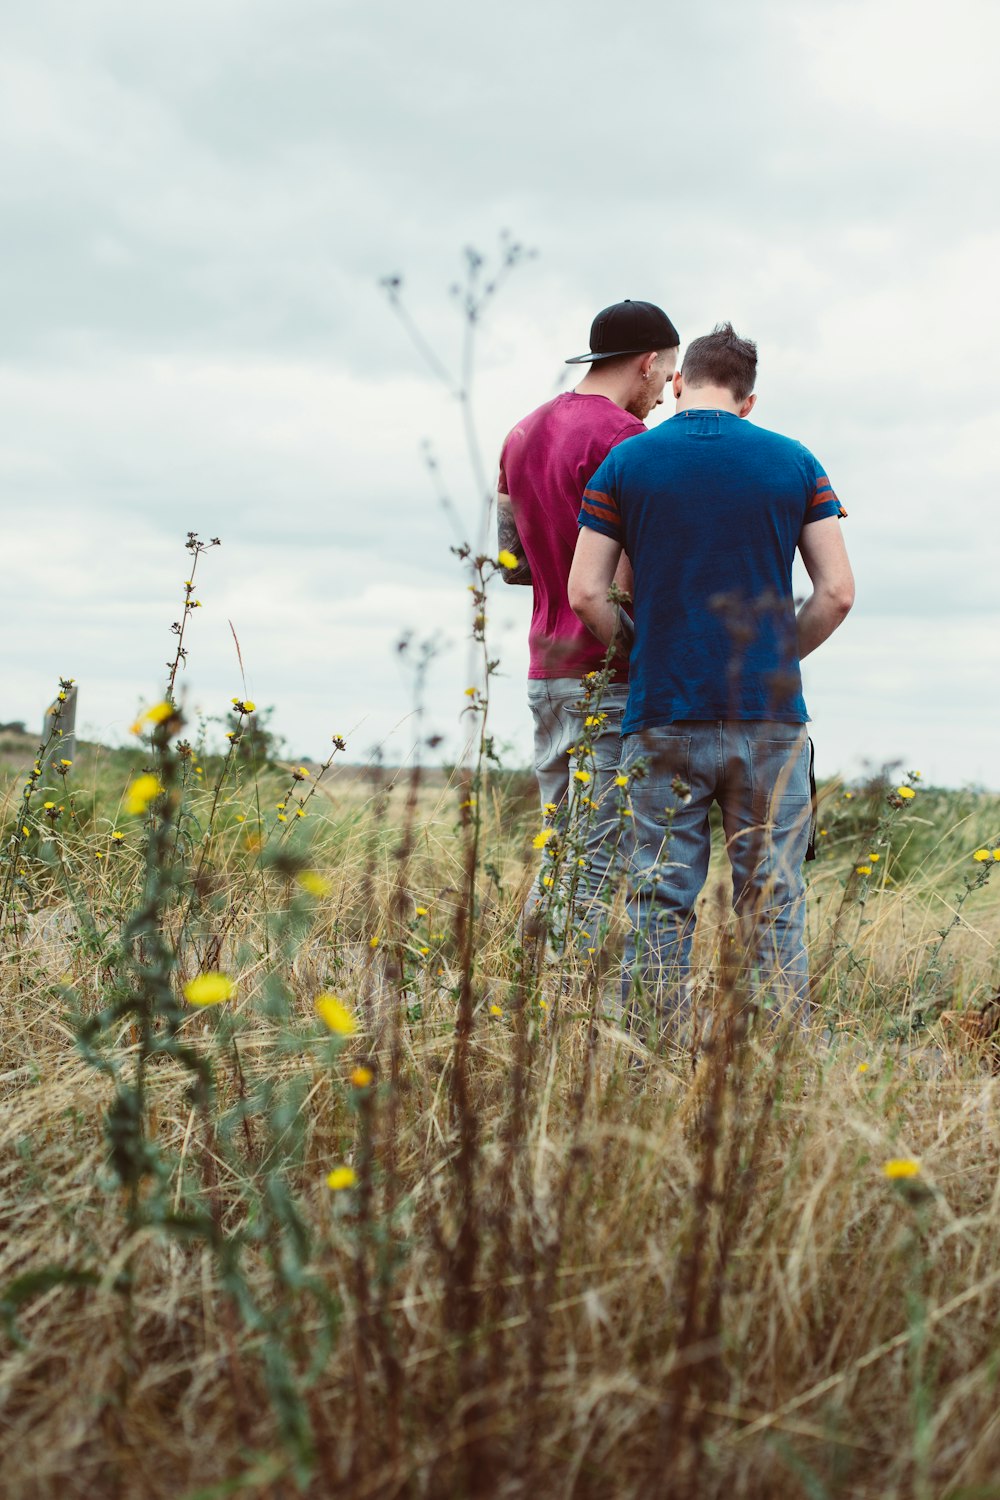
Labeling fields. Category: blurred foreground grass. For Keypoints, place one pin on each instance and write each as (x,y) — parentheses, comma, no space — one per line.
(463,1236)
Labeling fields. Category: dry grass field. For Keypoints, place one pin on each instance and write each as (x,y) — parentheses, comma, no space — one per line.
(453,1231)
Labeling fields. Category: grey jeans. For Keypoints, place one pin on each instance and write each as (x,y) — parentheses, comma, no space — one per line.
(555,704)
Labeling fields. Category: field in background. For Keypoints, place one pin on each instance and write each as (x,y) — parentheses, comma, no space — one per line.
(459,1234)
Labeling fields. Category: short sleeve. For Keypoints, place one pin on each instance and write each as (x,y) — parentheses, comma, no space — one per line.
(822,501)
(600,510)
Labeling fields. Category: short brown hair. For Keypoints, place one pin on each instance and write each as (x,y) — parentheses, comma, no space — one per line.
(722,358)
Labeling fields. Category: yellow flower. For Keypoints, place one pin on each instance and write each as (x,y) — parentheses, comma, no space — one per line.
(314,883)
(421,911)
(996,853)
(423,952)
(335,1015)
(495,1010)
(901,1167)
(209,989)
(47,805)
(506,559)
(906,792)
(539,841)
(117,837)
(822,833)
(340,1178)
(282,818)
(864,869)
(249,705)
(862,1067)
(874,858)
(550,808)
(26,830)
(159,712)
(65,762)
(374,940)
(300,812)
(547,880)
(470,692)
(582,776)
(362,1077)
(621,781)
(543,1005)
(141,793)
(980,854)
(302,771)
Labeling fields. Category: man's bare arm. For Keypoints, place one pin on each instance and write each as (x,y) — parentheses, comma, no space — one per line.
(825,556)
(591,576)
(509,541)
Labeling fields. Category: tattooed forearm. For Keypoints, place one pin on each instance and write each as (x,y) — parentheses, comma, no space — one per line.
(509,541)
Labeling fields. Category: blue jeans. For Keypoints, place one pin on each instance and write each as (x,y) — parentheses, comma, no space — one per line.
(758,773)
(558,728)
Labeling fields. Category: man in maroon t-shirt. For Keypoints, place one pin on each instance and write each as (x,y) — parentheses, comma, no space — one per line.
(546,463)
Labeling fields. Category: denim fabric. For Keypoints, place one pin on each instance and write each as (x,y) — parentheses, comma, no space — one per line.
(758,773)
(559,726)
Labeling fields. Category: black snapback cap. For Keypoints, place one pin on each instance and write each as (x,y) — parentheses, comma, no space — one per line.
(628,328)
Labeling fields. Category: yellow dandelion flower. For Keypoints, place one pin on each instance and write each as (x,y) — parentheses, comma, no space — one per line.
(621,781)
(47,805)
(550,808)
(141,793)
(581,863)
(495,1010)
(65,762)
(314,883)
(581,776)
(906,792)
(506,559)
(26,830)
(862,1067)
(335,1015)
(209,989)
(340,1178)
(300,812)
(547,880)
(591,951)
(421,911)
(302,770)
(538,842)
(822,833)
(282,818)
(470,692)
(423,952)
(249,705)
(980,854)
(864,869)
(98,856)
(362,1077)
(873,858)
(241,817)
(900,1168)
(996,853)
(117,837)
(543,1005)
(374,940)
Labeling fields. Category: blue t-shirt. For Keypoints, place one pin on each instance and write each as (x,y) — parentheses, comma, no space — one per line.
(709,510)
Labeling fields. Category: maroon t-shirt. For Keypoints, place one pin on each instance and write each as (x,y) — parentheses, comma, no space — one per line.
(546,463)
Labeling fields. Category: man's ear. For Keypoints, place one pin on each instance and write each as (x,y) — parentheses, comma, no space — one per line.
(678,384)
(646,364)
(748,405)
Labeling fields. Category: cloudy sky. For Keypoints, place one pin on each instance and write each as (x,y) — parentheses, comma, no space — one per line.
(199,200)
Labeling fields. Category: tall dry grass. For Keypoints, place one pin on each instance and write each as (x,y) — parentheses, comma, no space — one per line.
(556,1272)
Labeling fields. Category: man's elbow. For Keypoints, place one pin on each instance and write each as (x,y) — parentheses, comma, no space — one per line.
(581,599)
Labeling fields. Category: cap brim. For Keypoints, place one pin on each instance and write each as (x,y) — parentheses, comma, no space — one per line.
(612,354)
(592,359)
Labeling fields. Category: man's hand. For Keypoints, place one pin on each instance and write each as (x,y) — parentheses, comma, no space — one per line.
(591,576)
(825,556)
(509,541)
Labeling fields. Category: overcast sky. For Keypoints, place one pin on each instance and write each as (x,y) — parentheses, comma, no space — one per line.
(199,200)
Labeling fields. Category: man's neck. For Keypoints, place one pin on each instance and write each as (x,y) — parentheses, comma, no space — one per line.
(596,383)
(708,398)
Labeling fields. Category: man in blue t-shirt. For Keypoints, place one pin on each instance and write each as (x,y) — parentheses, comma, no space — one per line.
(710,510)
